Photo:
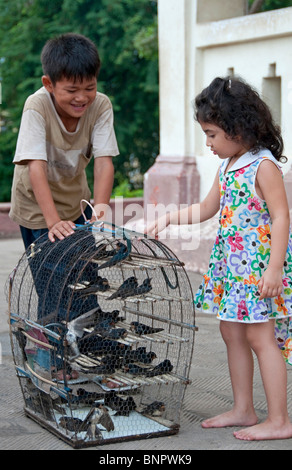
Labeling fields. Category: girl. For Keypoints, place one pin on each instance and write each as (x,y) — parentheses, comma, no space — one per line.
(249,281)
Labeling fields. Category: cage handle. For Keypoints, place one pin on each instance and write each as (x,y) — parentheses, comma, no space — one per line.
(93,212)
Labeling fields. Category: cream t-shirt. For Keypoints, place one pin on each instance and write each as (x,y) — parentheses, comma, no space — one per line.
(43,136)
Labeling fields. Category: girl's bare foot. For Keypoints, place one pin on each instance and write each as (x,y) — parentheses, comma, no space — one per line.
(231,418)
(265,431)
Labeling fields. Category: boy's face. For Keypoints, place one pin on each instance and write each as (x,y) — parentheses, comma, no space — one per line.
(71,98)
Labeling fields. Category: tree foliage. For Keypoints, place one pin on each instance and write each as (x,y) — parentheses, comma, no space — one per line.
(125,32)
(256,6)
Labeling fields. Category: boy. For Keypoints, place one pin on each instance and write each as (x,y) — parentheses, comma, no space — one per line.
(63,125)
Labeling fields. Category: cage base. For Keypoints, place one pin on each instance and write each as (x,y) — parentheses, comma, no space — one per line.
(78,443)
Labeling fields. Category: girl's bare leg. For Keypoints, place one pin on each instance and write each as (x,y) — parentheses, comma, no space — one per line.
(240,363)
(274,377)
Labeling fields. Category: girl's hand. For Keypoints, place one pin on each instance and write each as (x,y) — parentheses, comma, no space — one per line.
(270,284)
(61,229)
(158,225)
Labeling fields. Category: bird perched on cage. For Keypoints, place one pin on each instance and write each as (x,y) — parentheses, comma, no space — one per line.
(162,368)
(132,368)
(118,256)
(102,369)
(144,287)
(83,396)
(156,408)
(113,360)
(123,407)
(101,284)
(106,331)
(140,355)
(141,329)
(126,289)
(131,288)
(98,345)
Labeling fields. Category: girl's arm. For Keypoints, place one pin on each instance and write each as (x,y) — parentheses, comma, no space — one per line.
(103,185)
(271,187)
(40,186)
(190,215)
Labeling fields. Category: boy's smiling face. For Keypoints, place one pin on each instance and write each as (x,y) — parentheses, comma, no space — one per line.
(71,98)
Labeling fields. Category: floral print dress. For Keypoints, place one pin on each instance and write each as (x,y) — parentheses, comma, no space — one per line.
(241,254)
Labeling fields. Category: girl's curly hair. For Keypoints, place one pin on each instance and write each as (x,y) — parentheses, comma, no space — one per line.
(237,108)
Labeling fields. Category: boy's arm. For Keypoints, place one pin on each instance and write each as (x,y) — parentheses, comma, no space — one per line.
(103,185)
(40,186)
(271,185)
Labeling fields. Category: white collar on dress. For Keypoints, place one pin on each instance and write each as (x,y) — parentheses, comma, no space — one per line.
(248,158)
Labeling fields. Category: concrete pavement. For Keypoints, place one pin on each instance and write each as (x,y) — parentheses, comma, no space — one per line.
(209,393)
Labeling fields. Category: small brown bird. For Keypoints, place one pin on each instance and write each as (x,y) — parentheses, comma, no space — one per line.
(103,418)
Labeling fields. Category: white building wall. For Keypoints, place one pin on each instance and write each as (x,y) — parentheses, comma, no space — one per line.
(255,47)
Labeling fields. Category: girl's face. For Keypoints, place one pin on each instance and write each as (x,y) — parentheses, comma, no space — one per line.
(220,143)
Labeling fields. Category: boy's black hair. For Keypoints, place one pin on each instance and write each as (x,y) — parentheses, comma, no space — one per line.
(70,56)
(234,106)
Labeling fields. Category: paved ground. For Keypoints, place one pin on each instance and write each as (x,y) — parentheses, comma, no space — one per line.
(208,394)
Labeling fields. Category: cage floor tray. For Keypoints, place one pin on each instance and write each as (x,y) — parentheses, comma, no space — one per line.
(134,426)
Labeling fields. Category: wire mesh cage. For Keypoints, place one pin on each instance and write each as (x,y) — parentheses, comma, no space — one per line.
(102,328)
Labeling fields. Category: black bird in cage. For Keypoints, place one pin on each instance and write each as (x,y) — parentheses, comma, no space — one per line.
(144,287)
(141,329)
(126,289)
(162,368)
(119,256)
(121,406)
(140,355)
(101,284)
(156,408)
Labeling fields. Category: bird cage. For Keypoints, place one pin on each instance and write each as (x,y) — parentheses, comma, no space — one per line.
(102,331)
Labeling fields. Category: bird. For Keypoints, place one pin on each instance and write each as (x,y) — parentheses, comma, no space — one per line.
(101,284)
(126,289)
(102,369)
(118,256)
(83,396)
(156,408)
(86,320)
(98,345)
(111,359)
(140,355)
(142,329)
(102,252)
(118,404)
(134,369)
(106,331)
(116,333)
(71,424)
(103,417)
(89,424)
(162,368)
(144,287)
(93,431)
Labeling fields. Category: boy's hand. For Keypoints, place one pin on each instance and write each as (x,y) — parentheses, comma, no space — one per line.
(271,283)
(61,229)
